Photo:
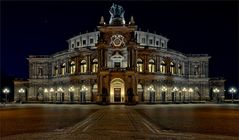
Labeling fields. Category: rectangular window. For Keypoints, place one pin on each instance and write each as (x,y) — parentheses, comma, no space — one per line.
(162,43)
(77,43)
(72,45)
(151,41)
(157,43)
(91,41)
(84,42)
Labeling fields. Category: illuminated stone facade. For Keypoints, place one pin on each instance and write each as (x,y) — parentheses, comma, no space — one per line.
(117,64)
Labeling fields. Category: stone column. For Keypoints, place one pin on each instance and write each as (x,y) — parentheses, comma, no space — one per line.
(145,63)
(157,63)
(88,63)
(128,56)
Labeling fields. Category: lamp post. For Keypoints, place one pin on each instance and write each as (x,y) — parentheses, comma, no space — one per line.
(216,91)
(190,90)
(6,91)
(83,91)
(232,91)
(184,91)
(164,89)
(175,90)
(21,91)
(152,95)
(60,90)
(51,92)
(45,94)
(71,90)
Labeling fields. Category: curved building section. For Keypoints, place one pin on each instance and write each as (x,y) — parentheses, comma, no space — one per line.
(117,64)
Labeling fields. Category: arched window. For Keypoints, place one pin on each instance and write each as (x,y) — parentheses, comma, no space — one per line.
(139,65)
(56,72)
(151,65)
(179,69)
(83,66)
(63,69)
(163,67)
(172,68)
(72,67)
(95,65)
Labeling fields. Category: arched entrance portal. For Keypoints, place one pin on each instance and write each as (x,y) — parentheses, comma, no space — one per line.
(117,91)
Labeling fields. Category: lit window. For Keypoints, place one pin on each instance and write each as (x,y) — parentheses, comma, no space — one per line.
(72,67)
(91,41)
(139,65)
(95,65)
(83,66)
(63,69)
(172,68)
(151,65)
(163,67)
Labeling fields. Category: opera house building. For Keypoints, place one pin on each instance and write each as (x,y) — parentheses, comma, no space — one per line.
(118,64)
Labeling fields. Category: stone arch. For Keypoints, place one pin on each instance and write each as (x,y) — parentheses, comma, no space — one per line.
(140,91)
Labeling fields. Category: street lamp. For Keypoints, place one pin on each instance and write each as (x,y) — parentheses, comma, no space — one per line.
(83,91)
(71,90)
(216,91)
(152,95)
(60,90)
(175,89)
(190,90)
(6,92)
(51,92)
(184,92)
(21,91)
(232,91)
(164,89)
(45,93)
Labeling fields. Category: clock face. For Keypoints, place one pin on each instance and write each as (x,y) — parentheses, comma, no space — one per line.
(117,41)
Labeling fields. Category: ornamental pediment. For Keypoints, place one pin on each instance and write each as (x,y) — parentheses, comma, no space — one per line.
(117,56)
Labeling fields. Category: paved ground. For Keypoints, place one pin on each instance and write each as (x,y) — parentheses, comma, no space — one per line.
(214,119)
(115,122)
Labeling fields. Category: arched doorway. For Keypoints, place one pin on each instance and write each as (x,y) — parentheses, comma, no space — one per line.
(140,92)
(117,91)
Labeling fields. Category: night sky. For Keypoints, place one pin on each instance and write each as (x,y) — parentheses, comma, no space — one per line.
(42,28)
